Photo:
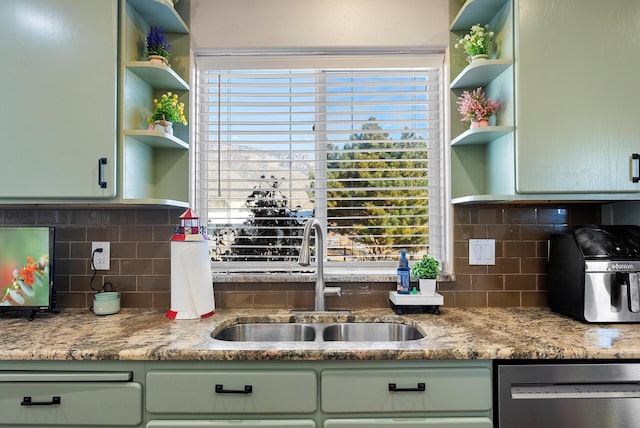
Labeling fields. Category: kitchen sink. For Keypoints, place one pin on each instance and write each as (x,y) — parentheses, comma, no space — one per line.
(267,332)
(370,332)
(309,332)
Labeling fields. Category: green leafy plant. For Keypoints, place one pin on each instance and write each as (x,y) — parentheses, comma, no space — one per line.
(427,268)
(479,41)
(157,43)
(168,108)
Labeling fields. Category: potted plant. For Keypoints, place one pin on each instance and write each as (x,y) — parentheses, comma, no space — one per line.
(168,111)
(158,48)
(426,270)
(476,108)
(478,43)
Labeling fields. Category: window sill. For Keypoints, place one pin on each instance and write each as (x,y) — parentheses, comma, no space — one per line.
(332,274)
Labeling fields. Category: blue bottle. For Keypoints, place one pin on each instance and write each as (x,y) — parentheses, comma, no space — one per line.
(404,274)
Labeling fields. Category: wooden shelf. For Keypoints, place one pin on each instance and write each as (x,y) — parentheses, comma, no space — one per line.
(476,12)
(481,135)
(156,139)
(480,72)
(158,76)
(160,13)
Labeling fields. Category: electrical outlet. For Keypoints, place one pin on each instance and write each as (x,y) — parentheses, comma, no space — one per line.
(101,260)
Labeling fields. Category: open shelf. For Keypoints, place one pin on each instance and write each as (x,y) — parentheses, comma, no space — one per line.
(162,14)
(156,139)
(155,164)
(481,135)
(476,12)
(158,76)
(480,72)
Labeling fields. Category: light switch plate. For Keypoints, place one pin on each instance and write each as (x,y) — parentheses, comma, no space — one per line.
(482,251)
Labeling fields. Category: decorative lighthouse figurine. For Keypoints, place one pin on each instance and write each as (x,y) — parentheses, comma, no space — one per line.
(189,229)
(191,282)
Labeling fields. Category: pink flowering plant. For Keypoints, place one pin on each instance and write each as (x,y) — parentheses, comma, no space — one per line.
(475,106)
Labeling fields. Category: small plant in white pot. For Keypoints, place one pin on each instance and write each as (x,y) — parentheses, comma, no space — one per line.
(426,270)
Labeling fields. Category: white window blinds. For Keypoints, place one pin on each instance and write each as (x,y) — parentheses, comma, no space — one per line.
(280,140)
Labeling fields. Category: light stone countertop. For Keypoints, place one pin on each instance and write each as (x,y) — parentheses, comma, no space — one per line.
(458,333)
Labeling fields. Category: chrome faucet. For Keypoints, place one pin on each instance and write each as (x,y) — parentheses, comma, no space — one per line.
(304,260)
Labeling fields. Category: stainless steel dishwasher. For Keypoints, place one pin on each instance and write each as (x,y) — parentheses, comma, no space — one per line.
(571,395)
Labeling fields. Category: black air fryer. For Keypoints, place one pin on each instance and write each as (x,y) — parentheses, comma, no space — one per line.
(593,273)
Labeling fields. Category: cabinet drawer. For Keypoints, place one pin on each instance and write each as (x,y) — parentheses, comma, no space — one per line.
(417,390)
(231,391)
(289,423)
(411,423)
(80,404)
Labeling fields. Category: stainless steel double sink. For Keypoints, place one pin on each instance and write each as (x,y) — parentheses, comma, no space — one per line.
(313,331)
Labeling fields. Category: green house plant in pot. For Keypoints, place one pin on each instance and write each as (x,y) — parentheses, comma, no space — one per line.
(157,46)
(168,110)
(426,270)
(478,44)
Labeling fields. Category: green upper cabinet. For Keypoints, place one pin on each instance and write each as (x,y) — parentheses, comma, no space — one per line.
(566,128)
(58,118)
(78,91)
(576,87)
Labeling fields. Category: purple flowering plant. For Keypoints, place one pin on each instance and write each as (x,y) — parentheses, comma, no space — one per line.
(475,106)
(157,43)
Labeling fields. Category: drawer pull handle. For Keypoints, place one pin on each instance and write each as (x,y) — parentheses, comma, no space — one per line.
(26,401)
(635,157)
(248,389)
(421,387)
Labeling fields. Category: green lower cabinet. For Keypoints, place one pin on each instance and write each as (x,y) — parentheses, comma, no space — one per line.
(410,423)
(231,391)
(250,394)
(318,394)
(72,393)
(69,404)
(447,388)
(233,423)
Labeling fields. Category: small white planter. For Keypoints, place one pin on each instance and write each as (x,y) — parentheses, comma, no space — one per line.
(163,126)
(427,287)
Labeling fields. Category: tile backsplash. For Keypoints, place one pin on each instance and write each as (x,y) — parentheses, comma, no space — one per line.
(140,251)
(518,277)
(140,257)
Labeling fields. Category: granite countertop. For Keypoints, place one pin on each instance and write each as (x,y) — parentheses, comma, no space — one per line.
(458,333)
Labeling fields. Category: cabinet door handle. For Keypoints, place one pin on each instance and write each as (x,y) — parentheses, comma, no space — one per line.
(101,163)
(635,157)
(248,389)
(420,388)
(26,401)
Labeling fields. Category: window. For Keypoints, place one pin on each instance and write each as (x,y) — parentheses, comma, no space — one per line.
(352,141)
